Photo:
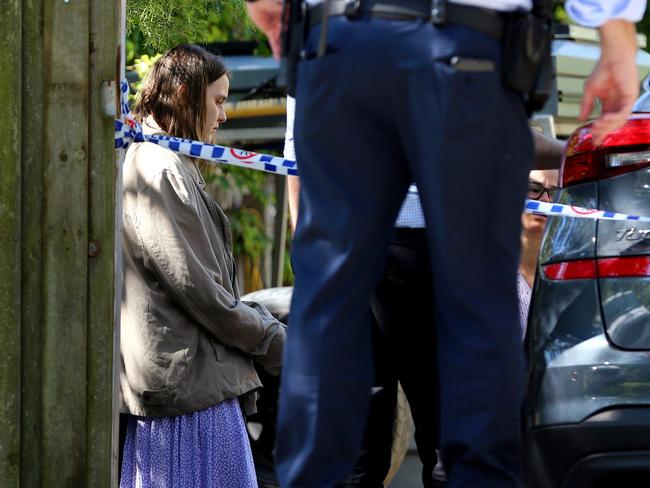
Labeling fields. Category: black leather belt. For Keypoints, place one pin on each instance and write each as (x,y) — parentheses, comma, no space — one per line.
(439,12)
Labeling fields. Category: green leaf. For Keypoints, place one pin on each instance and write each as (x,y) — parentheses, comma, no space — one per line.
(158,25)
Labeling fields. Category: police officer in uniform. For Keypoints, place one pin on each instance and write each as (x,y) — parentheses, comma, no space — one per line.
(395,91)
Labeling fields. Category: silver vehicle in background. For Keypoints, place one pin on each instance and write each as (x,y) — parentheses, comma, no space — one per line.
(588,407)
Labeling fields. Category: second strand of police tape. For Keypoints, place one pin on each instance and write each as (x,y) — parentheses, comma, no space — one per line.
(131,131)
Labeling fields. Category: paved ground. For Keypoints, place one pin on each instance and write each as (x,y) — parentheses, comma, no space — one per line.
(408,475)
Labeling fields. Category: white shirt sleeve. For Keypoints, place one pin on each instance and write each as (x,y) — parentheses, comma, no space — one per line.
(594,13)
(289,149)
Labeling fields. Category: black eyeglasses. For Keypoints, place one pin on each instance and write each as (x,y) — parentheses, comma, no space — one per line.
(536,191)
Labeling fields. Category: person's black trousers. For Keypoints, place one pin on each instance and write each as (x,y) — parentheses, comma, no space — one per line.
(404,350)
(404,314)
(374,459)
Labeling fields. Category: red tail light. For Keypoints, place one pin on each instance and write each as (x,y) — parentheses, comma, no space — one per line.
(580,269)
(619,267)
(624,150)
(580,168)
(628,266)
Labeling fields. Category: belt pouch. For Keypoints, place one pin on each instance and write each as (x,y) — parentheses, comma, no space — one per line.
(526,56)
(293,35)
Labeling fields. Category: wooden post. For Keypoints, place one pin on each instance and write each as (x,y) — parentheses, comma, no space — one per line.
(57,236)
(10,167)
(32,212)
(280,231)
(101,269)
(65,242)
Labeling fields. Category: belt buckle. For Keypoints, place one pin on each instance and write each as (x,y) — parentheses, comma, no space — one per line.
(438,12)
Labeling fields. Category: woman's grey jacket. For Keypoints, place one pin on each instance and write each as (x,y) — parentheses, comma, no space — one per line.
(187,340)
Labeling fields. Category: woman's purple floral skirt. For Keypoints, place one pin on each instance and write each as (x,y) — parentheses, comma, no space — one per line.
(205,449)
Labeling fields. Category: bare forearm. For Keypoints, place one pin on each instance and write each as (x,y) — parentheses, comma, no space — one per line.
(614,80)
(618,40)
(293,184)
(267,15)
(548,151)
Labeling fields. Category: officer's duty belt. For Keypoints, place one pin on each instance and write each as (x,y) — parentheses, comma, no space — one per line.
(439,12)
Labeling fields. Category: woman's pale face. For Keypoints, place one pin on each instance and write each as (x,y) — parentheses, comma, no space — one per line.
(533,225)
(215,96)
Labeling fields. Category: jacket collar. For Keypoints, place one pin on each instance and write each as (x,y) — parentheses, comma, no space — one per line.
(151,127)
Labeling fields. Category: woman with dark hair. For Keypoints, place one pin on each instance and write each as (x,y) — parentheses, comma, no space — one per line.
(188,343)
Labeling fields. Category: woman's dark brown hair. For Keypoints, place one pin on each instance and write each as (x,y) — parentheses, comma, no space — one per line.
(179,112)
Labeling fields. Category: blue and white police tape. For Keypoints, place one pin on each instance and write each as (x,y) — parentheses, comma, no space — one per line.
(126,133)
(124,98)
(130,131)
(561,210)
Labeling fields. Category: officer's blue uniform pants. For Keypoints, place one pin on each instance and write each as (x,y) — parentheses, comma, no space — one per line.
(383,108)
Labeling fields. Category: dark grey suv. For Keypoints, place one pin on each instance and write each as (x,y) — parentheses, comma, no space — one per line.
(588,408)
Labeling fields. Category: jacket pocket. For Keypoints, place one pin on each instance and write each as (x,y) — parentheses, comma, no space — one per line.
(156,397)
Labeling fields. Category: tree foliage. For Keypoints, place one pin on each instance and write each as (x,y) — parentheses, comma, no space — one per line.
(157,25)
(165,23)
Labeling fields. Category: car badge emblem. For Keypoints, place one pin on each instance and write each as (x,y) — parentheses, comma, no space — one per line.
(632,234)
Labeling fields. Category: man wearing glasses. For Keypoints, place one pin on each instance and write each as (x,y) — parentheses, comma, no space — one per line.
(542,185)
